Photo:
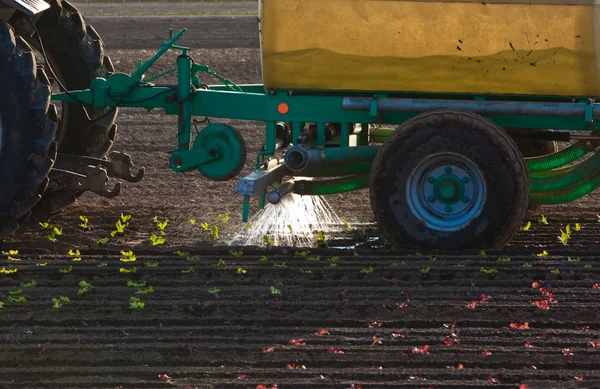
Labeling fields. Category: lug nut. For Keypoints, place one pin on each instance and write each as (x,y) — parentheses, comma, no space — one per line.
(431,199)
(448,169)
(466,199)
(465,179)
(448,209)
(431,179)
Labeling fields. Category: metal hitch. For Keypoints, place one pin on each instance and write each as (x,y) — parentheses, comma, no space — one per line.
(94,180)
(119,165)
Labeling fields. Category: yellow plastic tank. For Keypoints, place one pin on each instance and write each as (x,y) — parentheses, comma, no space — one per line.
(527,47)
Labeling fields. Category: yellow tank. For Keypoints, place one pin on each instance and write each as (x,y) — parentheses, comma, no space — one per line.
(526,47)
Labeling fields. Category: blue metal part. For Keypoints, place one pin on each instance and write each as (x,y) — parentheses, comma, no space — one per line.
(446,191)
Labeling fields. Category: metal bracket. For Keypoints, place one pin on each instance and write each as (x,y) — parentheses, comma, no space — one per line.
(94,180)
(119,165)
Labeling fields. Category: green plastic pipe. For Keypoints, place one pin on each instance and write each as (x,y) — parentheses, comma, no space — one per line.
(334,186)
(561,158)
(327,170)
(567,195)
(584,170)
(553,172)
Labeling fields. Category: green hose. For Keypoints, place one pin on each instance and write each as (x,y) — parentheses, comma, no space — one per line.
(327,187)
(553,172)
(561,158)
(567,195)
(336,170)
(581,172)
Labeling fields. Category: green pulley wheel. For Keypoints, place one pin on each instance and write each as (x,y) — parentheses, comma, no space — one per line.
(229,146)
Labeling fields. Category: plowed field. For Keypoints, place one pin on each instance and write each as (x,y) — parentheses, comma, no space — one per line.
(355,315)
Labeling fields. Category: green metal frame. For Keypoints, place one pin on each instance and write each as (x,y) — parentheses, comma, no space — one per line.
(189,98)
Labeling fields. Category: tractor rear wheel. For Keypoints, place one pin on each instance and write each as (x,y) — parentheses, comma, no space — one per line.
(75,53)
(449,180)
(27,130)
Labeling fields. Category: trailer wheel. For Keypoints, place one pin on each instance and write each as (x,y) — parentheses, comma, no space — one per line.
(27,129)
(448,180)
(76,54)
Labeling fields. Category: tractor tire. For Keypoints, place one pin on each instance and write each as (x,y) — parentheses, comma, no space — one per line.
(449,180)
(27,130)
(76,54)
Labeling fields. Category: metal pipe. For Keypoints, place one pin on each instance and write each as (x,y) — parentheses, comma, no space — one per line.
(297,158)
(508,108)
(286,189)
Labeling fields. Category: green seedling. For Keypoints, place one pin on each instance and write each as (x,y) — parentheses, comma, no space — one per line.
(213,290)
(30,284)
(66,270)
(526,227)
(132,284)
(504,260)
(221,262)
(527,266)
(182,253)
(84,222)
(302,271)
(263,258)
(156,240)
(58,301)
(587,266)
(275,291)
(224,218)
(85,287)
(128,256)
(120,228)
(542,254)
(145,291)
(268,241)
(555,272)
(240,270)
(101,265)
(425,270)
(460,265)
(15,292)
(348,228)
(152,264)
(42,264)
(432,258)
(482,253)
(302,253)
(1,305)
(123,270)
(8,271)
(542,219)
(20,299)
(193,221)
(577,227)
(236,253)
(103,240)
(367,271)
(215,231)
(281,265)
(313,259)
(569,259)
(136,303)
(188,271)
(195,258)
(488,271)
(321,239)
(204,226)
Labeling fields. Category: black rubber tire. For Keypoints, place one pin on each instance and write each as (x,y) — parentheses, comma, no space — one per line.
(78,53)
(484,143)
(536,148)
(27,147)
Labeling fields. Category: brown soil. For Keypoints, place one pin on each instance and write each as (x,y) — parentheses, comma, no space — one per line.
(216,340)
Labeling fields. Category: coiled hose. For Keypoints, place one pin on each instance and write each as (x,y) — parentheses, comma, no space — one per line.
(337,185)
(561,158)
(568,194)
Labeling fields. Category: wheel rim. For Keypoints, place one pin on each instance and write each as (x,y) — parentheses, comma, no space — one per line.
(446,191)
